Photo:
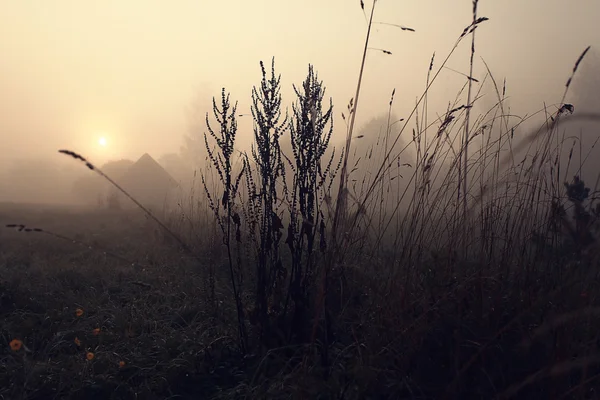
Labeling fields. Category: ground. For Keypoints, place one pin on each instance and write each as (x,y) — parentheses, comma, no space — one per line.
(101,305)
(142,323)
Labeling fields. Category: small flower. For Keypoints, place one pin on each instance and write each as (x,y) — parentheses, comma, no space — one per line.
(16,344)
(89,356)
(77,342)
(121,364)
(79,312)
(96,332)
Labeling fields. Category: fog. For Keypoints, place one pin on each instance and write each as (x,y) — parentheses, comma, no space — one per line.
(141,74)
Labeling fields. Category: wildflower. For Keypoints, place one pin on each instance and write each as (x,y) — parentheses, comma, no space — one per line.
(77,342)
(79,312)
(16,344)
(121,364)
(96,332)
(89,356)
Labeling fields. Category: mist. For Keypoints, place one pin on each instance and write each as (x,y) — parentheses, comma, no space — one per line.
(140,76)
(275,199)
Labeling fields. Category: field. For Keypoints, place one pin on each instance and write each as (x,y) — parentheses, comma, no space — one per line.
(161,335)
(101,304)
(96,326)
(469,271)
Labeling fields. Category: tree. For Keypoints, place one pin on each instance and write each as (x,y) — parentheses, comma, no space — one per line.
(91,187)
(176,166)
(193,150)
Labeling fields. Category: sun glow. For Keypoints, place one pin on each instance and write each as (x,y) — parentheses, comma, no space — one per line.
(102,141)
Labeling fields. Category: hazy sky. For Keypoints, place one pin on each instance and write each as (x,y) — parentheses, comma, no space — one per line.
(72,71)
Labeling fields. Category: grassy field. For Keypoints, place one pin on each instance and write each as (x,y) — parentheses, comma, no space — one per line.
(79,323)
(469,271)
(141,322)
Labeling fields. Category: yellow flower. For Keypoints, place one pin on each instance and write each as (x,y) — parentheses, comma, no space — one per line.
(16,344)
(121,364)
(89,356)
(77,342)
(79,312)
(96,332)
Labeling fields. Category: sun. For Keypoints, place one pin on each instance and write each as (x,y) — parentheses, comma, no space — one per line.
(102,141)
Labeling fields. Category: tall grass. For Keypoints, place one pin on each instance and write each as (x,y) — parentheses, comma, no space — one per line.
(464,273)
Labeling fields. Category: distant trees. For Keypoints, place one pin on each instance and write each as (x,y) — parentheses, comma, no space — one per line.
(193,150)
(92,188)
(177,166)
(192,158)
(38,181)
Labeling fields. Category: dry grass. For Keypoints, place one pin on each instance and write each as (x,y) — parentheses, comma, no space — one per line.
(272,287)
(146,314)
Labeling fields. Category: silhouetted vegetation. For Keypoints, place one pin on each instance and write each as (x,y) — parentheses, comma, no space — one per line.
(323,273)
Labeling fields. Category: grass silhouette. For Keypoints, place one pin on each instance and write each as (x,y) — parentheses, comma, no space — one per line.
(316,275)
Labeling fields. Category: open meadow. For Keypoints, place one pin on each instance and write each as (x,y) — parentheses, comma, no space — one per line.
(450,255)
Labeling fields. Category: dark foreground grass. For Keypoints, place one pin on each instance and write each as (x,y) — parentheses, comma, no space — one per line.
(93,327)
